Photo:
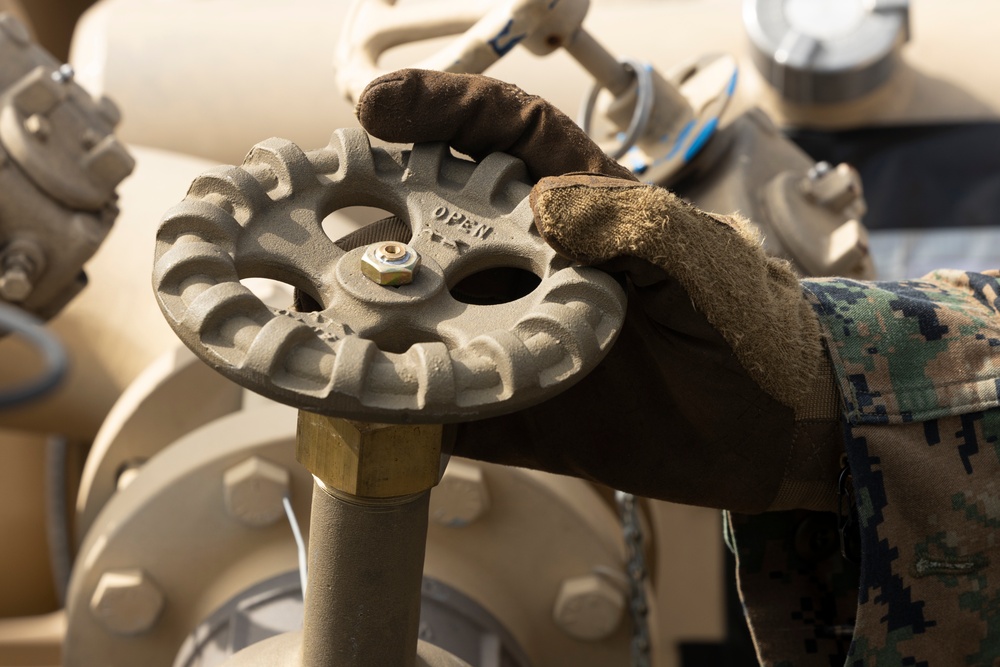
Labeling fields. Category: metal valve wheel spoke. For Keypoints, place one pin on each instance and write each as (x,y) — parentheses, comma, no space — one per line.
(381,345)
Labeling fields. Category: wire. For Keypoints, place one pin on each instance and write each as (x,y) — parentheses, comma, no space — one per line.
(300,544)
(16,321)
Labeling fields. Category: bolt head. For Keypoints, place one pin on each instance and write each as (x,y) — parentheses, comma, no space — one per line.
(390,263)
(15,285)
(461,497)
(588,608)
(818,170)
(21,262)
(64,74)
(837,189)
(127,602)
(254,490)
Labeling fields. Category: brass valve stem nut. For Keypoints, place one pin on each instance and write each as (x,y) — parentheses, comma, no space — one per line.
(390,263)
(369,460)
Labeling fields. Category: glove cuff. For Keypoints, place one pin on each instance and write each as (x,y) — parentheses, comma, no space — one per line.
(811,471)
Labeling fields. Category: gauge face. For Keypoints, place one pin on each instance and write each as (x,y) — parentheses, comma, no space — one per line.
(825,51)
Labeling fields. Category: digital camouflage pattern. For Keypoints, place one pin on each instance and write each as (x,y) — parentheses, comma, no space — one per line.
(918,367)
(799,595)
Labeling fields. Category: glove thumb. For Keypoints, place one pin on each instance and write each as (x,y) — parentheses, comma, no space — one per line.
(753,301)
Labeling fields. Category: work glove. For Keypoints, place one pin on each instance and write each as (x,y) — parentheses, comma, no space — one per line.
(717,392)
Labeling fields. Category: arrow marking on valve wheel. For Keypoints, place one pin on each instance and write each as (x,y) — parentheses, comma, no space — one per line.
(503,49)
(319,324)
(431,235)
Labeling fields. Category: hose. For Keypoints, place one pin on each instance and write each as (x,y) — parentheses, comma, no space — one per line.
(56,363)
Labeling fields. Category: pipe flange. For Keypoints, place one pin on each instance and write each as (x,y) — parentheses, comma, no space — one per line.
(410,353)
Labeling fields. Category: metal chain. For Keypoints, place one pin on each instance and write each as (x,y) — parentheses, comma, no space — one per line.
(628,509)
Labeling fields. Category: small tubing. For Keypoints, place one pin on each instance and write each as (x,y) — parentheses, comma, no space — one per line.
(56,363)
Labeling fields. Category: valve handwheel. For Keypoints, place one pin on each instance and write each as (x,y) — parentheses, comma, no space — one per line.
(371,351)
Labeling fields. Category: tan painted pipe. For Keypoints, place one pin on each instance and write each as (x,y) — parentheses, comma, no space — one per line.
(248,71)
(366,560)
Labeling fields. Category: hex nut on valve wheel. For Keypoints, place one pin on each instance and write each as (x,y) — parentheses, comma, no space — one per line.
(254,490)
(589,608)
(127,602)
(390,263)
(461,497)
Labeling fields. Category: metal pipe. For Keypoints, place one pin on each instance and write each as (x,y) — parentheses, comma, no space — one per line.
(598,61)
(366,559)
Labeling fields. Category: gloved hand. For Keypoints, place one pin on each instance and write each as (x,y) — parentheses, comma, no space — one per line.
(717,391)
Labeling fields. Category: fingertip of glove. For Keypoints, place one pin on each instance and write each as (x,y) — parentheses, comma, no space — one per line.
(378,93)
(386,82)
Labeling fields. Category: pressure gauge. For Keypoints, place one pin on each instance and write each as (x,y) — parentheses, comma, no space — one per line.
(826,51)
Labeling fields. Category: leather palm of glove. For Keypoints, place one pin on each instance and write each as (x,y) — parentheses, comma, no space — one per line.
(717,392)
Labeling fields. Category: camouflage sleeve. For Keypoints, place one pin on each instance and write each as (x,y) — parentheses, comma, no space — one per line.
(917,364)
(799,596)
(914,350)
